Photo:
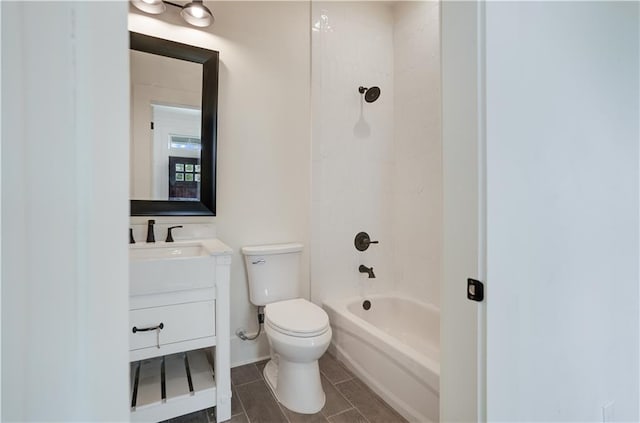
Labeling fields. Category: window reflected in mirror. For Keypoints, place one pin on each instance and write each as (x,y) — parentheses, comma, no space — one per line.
(166,128)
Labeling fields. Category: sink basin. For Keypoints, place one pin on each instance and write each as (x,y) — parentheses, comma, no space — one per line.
(169,267)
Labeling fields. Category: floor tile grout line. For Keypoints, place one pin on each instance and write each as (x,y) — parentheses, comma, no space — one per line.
(363,416)
(332,382)
(260,374)
(264,380)
(340,381)
(349,401)
(377,397)
(340,412)
(283,412)
(338,390)
(246,383)
(343,397)
(244,410)
(353,408)
(349,373)
(276,400)
(241,406)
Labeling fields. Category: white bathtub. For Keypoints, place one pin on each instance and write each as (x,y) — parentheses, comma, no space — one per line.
(394,347)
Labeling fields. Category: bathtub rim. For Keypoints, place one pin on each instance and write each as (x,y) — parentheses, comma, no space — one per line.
(418,362)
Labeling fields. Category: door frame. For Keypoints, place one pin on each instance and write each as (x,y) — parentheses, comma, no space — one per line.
(463,322)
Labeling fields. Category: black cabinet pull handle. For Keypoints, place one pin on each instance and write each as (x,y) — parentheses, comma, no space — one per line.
(159,327)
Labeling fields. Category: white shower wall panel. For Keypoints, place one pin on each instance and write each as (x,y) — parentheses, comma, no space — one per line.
(417,174)
(352,148)
(376,167)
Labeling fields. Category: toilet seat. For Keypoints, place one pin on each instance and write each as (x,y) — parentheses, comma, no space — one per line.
(298,317)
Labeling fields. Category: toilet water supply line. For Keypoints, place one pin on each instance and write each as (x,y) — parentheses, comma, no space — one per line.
(240,333)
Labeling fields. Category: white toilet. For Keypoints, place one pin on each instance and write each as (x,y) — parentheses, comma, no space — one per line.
(298,330)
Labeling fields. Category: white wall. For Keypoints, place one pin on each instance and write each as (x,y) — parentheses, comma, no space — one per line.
(1,119)
(263,133)
(64,212)
(352,148)
(417,175)
(562,218)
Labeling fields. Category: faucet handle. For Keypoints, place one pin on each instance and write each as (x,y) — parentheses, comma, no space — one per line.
(169,235)
(151,237)
(362,241)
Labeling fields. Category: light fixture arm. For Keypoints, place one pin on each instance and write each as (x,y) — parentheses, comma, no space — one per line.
(179,6)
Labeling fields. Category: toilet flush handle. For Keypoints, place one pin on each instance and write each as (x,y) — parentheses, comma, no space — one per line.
(261,261)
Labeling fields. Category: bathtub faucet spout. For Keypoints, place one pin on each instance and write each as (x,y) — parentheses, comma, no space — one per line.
(365,269)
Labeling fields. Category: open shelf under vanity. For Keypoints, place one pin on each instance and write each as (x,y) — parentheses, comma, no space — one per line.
(173,385)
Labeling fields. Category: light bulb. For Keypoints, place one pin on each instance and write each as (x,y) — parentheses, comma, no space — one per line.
(150,6)
(197,12)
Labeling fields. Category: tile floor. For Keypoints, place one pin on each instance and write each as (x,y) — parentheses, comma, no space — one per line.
(348,400)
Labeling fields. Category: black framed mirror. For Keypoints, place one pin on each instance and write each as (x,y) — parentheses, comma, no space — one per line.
(192,190)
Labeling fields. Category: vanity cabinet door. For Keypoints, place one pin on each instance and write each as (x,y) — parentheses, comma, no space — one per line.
(158,326)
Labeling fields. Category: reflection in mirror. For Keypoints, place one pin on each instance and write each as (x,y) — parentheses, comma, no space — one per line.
(165,121)
(176,158)
(174,103)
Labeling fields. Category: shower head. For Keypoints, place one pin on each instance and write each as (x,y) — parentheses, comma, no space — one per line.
(370,94)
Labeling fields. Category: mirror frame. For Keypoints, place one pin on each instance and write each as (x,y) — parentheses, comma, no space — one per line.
(209,59)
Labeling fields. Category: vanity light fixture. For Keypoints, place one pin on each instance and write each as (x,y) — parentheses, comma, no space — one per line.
(150,6)
(197,14)
(194,13)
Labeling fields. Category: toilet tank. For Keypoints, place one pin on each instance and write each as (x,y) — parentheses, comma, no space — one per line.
(273,272)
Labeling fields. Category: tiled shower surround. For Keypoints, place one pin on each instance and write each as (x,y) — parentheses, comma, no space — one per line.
(376,167)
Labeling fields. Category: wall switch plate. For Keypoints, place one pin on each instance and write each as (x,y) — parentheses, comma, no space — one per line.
(607,412)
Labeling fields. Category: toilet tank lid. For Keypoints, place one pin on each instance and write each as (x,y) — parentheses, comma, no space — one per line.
(262,250)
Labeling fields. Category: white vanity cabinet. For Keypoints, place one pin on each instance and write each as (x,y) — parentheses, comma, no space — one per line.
(179,329)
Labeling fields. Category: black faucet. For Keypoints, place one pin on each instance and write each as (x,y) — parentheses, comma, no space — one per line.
(150,236)
(169,236)
(365,269)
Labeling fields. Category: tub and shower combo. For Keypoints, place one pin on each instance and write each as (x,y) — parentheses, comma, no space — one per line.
(392,343)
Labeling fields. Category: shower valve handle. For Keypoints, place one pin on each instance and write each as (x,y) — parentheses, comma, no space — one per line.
(363,241)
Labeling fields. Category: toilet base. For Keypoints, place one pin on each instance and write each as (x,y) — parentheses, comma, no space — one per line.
(297,386)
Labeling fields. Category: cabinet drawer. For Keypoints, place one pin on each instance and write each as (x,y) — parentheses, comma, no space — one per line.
(180,322)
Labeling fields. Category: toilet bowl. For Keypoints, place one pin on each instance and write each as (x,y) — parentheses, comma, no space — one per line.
(299,333)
